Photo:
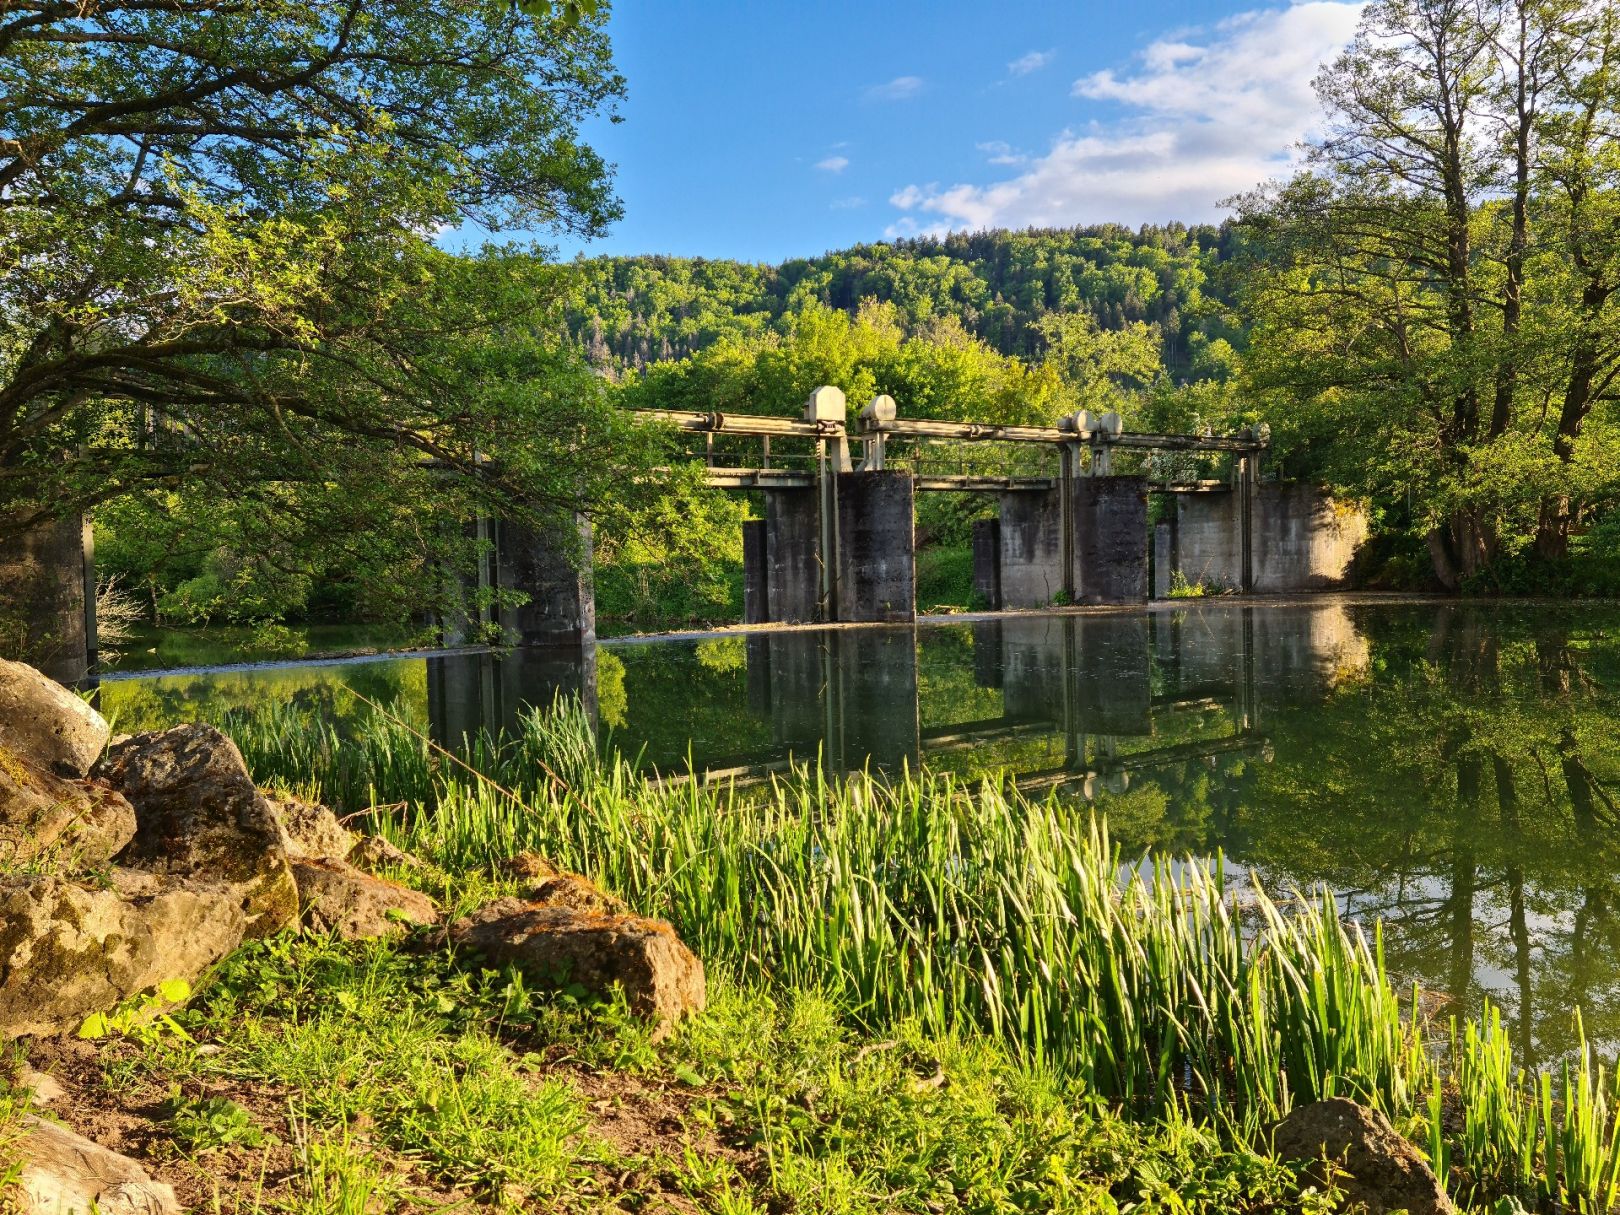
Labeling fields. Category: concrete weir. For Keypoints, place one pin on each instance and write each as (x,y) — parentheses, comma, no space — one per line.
(48,597)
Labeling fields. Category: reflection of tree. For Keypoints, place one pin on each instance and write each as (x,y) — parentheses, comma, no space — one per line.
(1465,788)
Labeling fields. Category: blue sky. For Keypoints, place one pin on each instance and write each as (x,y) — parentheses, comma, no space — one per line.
(767,129)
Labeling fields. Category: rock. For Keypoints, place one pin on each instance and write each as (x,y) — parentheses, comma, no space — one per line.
(47,724)
(42,813)
(69,949)
(198,814)
(576,894)
(337,897)
(661,977)
(527,867)
(373,853)
(66,1174)
(1380,1170)
(543,882)
(312,830)
(43,1089)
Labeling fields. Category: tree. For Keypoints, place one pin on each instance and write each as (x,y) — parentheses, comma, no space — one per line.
(1421,292)
(216,227)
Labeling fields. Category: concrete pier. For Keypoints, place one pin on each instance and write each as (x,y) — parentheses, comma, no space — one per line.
(792,555)
(1110,545)
(554,570)
(47,598)
(877,569)
(1031,564)
(756,582)
(987,563)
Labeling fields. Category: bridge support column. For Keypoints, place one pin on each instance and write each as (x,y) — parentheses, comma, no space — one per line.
(792,555)
(876,548)
(987,563)
(1164,556)
(1110,539)
(756,595)
(48,597)
(553,568)
(1031,568)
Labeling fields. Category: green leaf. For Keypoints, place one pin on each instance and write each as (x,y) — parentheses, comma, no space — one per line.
(95,1025)
(174,991)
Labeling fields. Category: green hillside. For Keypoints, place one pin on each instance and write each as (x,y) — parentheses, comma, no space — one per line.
(627,312)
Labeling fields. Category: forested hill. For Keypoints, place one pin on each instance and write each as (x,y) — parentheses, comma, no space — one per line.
(631,311)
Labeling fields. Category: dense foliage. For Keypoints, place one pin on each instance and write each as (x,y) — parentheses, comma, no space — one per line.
(1000,286)
(1435,298)
(223,301)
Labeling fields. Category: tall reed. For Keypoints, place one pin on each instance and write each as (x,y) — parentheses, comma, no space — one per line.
(1161,985)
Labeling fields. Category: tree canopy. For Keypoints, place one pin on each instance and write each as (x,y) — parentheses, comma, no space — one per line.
(1434,299)
(217,227)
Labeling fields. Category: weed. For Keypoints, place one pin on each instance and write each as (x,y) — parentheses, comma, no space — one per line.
(205,1124)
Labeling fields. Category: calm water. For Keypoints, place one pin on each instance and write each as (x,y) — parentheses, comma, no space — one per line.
(1453,769)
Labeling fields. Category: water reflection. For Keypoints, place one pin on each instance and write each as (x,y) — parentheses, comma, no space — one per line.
(1453,769)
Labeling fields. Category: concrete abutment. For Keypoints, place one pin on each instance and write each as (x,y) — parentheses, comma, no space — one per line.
(1302,539)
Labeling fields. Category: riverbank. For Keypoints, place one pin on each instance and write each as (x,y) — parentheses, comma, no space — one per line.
(314,1076)
(925,994)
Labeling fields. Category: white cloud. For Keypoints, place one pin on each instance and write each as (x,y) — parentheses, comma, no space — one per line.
(1034,61)
(901,88)
(1207,114)
(833,164)
(1000,152)
(853,203)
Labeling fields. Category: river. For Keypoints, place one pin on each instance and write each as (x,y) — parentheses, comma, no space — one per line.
(1451,769)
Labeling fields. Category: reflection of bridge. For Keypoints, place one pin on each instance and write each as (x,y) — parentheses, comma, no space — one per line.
(1112,688)
(837,542)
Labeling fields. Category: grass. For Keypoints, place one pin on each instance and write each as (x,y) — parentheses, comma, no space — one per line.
(468,1082)
(959,922)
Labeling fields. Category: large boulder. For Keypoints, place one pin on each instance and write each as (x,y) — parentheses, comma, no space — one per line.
(337,897)
(198,815)
(44,722)
(559,945)
(1378,1170)
(312,830)
(64,1173)
(69,949)
(73,822)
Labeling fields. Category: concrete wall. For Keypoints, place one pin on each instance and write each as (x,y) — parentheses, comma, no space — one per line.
(1031,548)
(1303,539)
(554,570)
(1110,539)
(756,582)
(44,620)
(987,562)
(792,540)
(877,568)
(1208,543)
